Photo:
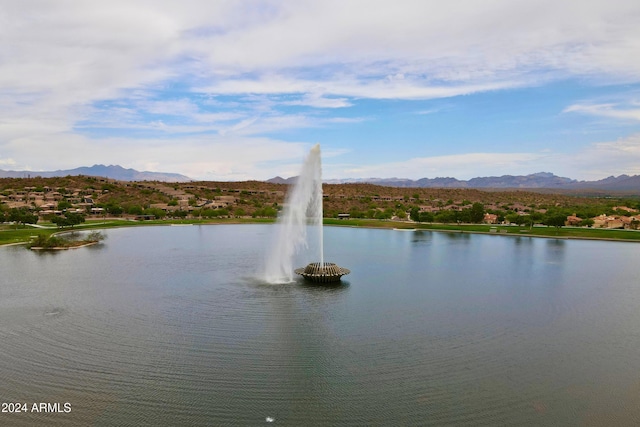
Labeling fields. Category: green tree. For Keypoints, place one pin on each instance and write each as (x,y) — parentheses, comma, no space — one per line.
(588,222)
(63,204)
(536,217)
(512,218)
(555,220)
(477,213)
(134,210)
(180,214)
(113,209)
(446,216)
(383,214)
(156,212)
(356,213)
(464,216)
(414,214)
(526,220)
(75,218)
(426,217)
(21,216)
(267,212)
(68,220)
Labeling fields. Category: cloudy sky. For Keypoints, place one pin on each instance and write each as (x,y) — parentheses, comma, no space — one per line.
(235,90)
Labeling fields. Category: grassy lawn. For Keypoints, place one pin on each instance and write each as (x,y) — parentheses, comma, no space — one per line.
(10,234)
(564,232)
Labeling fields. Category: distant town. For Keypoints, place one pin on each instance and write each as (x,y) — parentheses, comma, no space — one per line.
(73,199)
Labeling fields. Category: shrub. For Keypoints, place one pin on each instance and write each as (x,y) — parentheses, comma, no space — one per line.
(42,241)
(95,236)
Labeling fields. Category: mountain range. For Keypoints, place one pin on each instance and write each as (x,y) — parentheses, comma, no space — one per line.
(112,171)
(540,180)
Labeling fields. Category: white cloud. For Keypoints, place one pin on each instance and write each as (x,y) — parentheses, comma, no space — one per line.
(381,88)
(465,42)
(204,157)
(508,34)
(427,112)
(603,159)
(314,100)
(273,122)
(461,166)
(593,162)
(75,52)
(7,163)
(62,60)
(614,111)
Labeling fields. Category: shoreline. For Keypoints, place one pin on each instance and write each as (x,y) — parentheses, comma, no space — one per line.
(364,223)
(62,248)
(537,236)
(460,229)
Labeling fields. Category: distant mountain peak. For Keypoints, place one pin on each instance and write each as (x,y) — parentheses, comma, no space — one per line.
(543,174)
(116,172)
(281,180)
(538,180)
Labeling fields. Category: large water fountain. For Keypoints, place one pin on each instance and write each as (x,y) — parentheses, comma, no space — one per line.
(302,212)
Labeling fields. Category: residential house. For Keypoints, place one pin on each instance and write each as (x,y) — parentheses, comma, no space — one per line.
(573,220)
(624,208)
(607,221)
(490,218)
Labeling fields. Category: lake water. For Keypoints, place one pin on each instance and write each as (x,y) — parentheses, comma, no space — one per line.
(172,326)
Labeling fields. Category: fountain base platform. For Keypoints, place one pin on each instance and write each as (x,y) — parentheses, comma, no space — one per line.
(323,273)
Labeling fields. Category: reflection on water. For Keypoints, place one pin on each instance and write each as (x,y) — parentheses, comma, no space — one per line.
(421,237)
(327,288)
(173,326)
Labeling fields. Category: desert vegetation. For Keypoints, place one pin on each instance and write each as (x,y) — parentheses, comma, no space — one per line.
(44,241)
(66,202)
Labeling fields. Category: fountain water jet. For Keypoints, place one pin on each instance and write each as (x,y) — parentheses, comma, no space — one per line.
(302,210)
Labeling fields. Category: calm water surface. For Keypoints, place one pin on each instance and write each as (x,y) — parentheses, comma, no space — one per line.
(173,326)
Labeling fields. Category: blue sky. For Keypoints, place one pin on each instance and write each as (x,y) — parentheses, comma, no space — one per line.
(235,90)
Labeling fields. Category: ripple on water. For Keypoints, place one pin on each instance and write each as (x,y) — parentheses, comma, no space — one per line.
(194,341)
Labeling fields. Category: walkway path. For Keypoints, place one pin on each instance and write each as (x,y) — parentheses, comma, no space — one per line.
(39,226)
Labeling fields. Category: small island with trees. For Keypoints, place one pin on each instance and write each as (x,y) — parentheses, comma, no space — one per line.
(58,242)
